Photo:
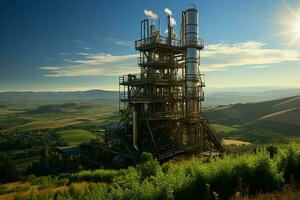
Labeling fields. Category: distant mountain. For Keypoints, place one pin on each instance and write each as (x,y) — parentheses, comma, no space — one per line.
(280,115)
(43,98)
(212,98)
(60,108)
(243,96)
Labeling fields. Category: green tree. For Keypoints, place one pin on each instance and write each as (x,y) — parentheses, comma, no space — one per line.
(8,170)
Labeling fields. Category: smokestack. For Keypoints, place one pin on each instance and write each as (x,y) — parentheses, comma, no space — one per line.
(192,57)
(170,29)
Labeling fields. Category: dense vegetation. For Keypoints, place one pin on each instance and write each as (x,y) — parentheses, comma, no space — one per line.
(267,170)
(29,133)
(255,136)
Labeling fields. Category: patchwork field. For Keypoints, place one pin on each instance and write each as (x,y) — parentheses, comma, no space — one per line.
(57,116)
(76,136)
(228,142)
(280,116)
(224,129)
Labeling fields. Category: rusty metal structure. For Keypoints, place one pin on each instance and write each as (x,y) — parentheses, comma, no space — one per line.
(161,107)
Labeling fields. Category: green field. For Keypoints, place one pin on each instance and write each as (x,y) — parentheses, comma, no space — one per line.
(224,129)
(76,136)
(57,116)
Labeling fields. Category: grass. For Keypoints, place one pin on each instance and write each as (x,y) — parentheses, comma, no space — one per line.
(81,114)
(277,115)
(222,128)
(76,136)
(214,178)
(228,142)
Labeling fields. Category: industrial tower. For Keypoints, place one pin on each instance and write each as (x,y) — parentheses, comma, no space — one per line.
(160,107)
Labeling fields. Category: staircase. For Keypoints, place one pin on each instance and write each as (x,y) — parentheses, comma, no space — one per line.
(212,136)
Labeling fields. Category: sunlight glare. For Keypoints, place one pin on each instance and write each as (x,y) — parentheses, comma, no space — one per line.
(297,27)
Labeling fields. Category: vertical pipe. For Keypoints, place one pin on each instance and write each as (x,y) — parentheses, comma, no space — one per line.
(147,28)
(169,29)
(142,30)
(135,127)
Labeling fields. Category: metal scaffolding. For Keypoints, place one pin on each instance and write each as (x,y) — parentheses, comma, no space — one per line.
(160,107)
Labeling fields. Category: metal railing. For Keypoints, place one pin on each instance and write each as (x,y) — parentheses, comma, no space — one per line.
(144,77)
(160,96)
(144,61)
(196,93)
(164,114)
(157,40)
(196,77)
(198,43)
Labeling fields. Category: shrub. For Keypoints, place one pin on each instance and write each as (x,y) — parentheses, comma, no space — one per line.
(149,168)
(272,150)
(8,170)
(145,156)
(3,189)
(105,175)
(290,165)
(194,179)
(266,176)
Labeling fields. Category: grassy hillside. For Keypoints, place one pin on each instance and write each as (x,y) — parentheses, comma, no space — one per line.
(198,178)
(224,129)
(76,136)
(224,97)
(33,99)
(281,115)
(56,116)
(246,95)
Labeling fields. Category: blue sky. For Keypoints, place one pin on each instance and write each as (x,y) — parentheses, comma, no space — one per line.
(87,44)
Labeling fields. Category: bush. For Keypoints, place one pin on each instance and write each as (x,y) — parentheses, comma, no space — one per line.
(3,189)
(266,176)
(272,150)
(290,165)
(194,179)
(8,170)
(148,167)
(145,156)
(106,175)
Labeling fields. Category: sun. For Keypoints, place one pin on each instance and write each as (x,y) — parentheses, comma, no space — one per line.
(290,22)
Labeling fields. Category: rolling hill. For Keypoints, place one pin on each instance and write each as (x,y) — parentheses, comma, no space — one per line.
(57,115)
(280,115)
(212,98)
(246,95)
(42,98)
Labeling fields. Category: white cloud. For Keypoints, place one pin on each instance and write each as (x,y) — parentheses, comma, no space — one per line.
(223,55)
(95,65)
(215,57)
(50,68)
(125,43)
(150,14)
(172,21)
(260,67)
(83,53)
(168,11)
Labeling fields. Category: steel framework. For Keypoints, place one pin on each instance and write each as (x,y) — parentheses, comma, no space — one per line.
(160,107)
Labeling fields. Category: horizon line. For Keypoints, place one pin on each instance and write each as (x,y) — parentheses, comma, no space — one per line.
(112,90)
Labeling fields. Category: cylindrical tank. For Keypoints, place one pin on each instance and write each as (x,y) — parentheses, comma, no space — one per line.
(192,56)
